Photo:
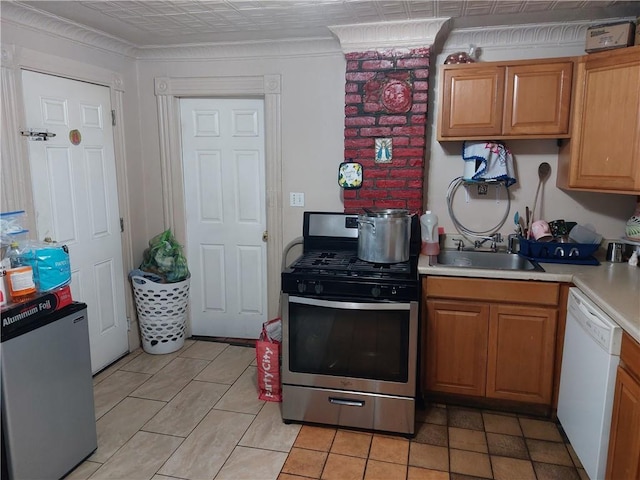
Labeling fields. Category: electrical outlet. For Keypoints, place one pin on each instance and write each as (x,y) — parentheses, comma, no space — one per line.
(296,199)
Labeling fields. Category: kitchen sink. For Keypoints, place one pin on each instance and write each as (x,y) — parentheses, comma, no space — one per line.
(486,260)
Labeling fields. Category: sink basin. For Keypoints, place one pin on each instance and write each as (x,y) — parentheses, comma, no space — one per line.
(486,260)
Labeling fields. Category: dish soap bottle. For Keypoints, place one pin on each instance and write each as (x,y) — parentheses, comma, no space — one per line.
(429,234)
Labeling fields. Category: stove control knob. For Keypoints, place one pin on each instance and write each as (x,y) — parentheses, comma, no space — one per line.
(375,291)
(302,287)
(318,288)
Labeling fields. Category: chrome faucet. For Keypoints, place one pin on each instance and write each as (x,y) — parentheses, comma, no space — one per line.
(513,243)
(459,244)
(495,239)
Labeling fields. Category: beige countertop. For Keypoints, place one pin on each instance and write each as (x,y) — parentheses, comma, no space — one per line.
(614,287)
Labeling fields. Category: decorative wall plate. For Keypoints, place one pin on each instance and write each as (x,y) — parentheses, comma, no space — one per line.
(350,175)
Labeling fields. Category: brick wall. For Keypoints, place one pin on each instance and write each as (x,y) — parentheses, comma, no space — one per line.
(386,98)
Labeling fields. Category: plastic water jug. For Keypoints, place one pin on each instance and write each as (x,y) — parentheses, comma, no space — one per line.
(429,233)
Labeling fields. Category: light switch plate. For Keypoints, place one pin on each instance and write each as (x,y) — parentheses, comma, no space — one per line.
(296,199)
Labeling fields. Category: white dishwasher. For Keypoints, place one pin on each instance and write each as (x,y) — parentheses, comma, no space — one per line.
(587,381)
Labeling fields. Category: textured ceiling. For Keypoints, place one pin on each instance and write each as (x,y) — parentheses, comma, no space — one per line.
(179,22)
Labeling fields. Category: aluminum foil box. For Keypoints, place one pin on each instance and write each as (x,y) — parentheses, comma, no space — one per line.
(15,315)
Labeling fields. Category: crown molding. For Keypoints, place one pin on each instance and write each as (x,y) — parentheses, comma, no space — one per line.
(233,50)
(526,35)
(33,19)
(383,35)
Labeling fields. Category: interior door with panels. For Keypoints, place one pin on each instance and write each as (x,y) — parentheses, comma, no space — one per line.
(223,150)
(76,199)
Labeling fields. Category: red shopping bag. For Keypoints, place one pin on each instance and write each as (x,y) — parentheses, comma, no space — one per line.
(268,357)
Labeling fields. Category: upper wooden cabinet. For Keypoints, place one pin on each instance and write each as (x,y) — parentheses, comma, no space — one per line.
(503,100)
(603,153)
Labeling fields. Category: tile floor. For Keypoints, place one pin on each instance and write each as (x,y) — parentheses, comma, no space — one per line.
(194,414)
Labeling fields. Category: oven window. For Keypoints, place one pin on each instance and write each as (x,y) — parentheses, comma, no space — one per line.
(349,343)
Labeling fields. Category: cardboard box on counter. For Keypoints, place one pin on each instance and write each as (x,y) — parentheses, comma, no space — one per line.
(613,35)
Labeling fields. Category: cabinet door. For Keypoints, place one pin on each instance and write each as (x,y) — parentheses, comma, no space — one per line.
(471,101)
(537,99)
(624,441)
(456,347)
(606,154)
(521,353)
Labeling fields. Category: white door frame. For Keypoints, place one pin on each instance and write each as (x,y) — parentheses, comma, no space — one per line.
(16,176)
(168,91)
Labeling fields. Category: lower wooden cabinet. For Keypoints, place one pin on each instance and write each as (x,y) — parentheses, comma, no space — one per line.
(521,353)
(456,350)
(489,348)
(623,461)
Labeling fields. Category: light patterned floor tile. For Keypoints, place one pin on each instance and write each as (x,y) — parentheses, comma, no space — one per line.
(228,366)
(83,471)
(204,350)
(183,413)
(252,463)
(121,423)
(205,450)
(269,432)
(170,379)
(114,389)
(242,396)
(116,366)
(149,363)
(140,458)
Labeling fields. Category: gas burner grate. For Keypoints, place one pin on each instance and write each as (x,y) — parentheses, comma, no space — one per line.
(346,263)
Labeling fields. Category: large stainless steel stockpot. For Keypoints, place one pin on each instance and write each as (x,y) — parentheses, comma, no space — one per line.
(384,235)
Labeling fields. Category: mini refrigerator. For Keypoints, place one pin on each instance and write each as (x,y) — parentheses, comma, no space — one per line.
(48,415)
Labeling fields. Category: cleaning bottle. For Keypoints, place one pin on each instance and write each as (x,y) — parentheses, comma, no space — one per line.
(429,234)
(19,277)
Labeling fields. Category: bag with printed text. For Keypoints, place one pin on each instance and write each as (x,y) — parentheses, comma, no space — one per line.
(268,358)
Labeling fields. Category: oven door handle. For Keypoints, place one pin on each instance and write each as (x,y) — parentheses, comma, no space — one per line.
(350,305)
(347,402)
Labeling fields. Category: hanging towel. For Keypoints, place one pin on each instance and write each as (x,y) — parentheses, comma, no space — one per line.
(488,161)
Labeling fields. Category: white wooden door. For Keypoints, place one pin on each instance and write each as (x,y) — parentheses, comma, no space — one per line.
(224,183)
(76,199)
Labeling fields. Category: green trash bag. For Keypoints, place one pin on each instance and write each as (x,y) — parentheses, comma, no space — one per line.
(165,257)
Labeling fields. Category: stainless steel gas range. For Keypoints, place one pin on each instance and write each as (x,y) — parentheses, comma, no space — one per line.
(350,331)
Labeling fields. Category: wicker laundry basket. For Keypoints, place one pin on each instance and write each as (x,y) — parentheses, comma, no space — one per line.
(162,313)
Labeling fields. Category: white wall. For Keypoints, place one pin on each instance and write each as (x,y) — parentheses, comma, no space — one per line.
(312,105)
(607,212)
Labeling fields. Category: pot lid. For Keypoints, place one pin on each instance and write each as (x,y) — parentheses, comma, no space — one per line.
(387,212)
